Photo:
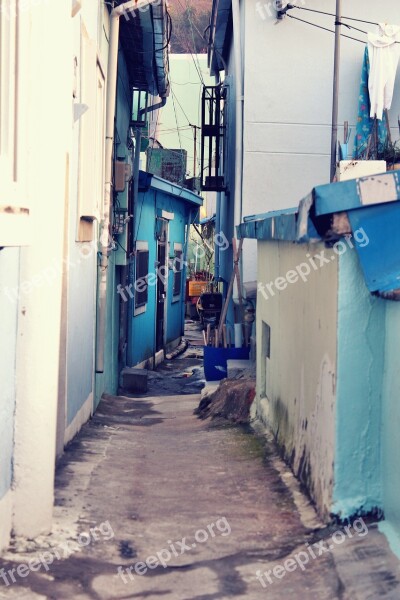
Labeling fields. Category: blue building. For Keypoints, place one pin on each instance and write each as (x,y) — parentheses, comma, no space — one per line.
(157,279)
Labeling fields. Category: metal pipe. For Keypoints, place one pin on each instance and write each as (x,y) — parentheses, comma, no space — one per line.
(218,230)
(239,110)
(335,104)
(117,12)
(238,196)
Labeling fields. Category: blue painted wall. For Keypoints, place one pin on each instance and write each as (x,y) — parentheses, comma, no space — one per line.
(361,345)
(9,271)
(80,304)
(391,425)
(107,382)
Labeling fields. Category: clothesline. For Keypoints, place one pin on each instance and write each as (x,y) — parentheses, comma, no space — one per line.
(336,23)
(321,12)
(325,28)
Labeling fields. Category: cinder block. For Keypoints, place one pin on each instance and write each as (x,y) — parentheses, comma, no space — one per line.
(134,380)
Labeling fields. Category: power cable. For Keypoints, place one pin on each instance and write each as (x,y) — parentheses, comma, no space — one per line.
(291,6)
(324,28)
(321,12)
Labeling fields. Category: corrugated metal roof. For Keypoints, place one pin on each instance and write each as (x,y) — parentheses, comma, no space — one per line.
(143,36)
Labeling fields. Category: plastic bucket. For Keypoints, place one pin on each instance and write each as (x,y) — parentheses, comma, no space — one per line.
(215,361)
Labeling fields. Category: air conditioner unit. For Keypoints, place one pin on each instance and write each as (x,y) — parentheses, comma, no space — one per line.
(123,173)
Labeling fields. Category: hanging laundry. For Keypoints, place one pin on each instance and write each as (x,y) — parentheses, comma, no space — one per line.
(364,123)
(384,52)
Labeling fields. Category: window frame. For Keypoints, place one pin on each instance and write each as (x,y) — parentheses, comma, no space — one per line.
(140,306)
(178,273)
(15,211)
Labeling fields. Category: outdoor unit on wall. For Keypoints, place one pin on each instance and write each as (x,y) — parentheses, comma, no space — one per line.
(212,139)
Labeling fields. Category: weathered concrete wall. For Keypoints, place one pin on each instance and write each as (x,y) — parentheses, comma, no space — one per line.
(296,386)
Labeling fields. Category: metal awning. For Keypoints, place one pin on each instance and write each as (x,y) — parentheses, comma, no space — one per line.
(368,204)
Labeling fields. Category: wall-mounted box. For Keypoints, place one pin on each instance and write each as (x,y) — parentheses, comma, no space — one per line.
(123,173)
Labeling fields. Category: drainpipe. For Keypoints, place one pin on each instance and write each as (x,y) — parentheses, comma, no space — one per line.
(239,119)
(336,82)
(116,14)
(218,230)
(239,110)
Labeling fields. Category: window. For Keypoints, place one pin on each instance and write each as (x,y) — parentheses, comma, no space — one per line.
(141,276)
(266,355)
(14,209)
(178,268)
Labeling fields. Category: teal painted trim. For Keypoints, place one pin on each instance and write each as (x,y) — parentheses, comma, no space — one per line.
(360,367)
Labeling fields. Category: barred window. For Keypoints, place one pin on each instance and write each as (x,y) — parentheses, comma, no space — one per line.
(142,272)
(178,268)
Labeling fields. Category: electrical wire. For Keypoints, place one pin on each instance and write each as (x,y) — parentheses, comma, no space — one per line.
(324,28)
(321,12)
(291,6)
(197,67)
(179,136)
(181,107)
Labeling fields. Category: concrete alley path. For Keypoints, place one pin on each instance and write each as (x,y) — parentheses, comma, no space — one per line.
(146,481)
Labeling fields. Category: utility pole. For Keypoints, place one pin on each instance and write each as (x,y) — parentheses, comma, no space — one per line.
(195,128)
(336,76)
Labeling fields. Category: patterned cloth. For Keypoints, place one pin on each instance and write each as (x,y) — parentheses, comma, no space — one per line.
(365,124)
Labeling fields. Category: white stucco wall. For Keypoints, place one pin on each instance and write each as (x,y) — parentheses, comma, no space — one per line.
(288,101)
(48,109)
(296,386)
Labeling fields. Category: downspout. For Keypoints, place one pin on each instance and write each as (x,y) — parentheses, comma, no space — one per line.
(184,271)
(237,43)
(239,110)
(116,14)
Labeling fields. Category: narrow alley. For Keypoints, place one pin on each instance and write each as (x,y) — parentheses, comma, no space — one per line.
(199,300)
(152,502)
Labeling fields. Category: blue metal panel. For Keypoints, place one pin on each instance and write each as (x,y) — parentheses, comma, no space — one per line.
(348,195)
(276,225)
(380,255)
